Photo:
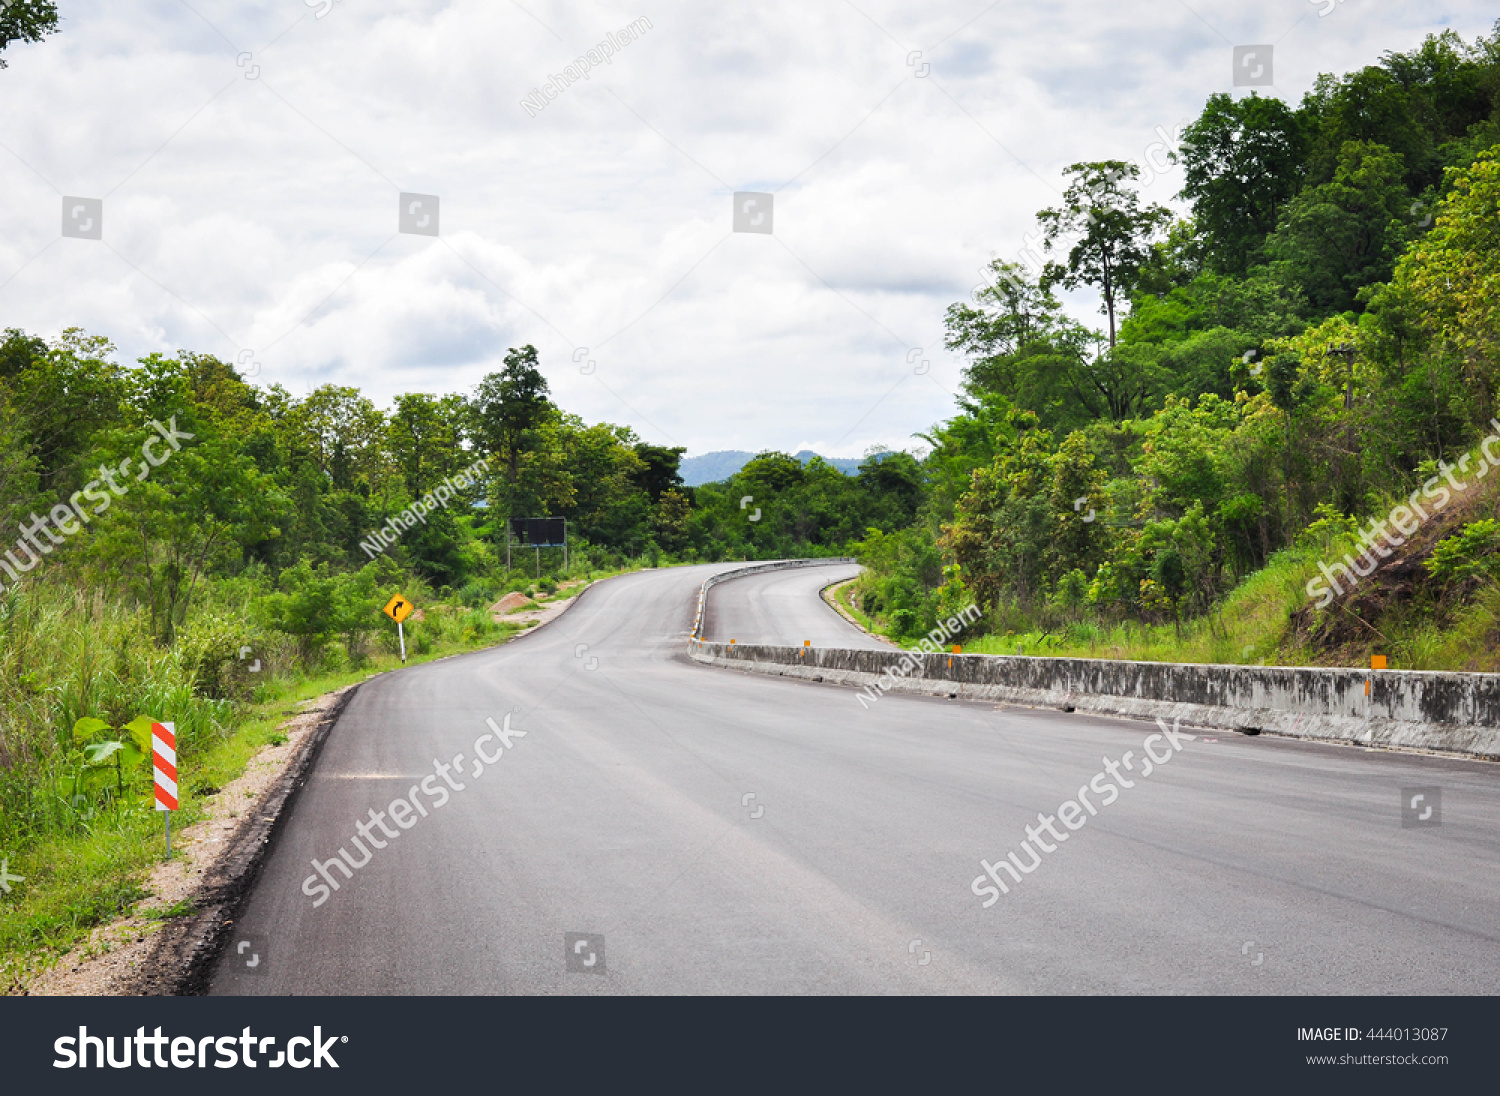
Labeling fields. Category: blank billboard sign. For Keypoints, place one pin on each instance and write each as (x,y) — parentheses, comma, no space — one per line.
(540,532)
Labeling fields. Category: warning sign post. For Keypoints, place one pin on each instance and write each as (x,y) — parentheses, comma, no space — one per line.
(164,766)
(398,609)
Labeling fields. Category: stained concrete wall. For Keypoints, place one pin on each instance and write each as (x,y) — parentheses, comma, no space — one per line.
(1456,713)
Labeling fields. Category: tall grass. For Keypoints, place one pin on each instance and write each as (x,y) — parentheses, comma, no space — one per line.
(65,654)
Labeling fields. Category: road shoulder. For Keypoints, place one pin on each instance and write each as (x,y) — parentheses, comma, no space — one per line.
(167,944)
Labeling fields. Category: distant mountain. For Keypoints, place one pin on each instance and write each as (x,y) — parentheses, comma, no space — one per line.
(713,467)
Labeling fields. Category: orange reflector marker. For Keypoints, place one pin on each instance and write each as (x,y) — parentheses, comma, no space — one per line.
(1378,662)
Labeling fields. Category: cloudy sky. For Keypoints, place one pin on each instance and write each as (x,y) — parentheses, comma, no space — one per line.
(251,158)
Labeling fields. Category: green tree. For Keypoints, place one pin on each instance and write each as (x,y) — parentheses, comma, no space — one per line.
(661,468)
(26,21)
(1347,233)
(423,439)
(669,521)
(510,403)
(1014,312)
(198,509)
(341,432)
(894,486)
(1111,232)
(1242,162)
(63,396)
(1449,283)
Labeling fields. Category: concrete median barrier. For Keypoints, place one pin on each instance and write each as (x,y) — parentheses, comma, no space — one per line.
(1444,712)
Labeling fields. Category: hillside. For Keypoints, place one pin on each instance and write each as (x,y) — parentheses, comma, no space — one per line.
(1422,606)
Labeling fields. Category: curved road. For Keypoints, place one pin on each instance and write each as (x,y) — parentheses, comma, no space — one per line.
(733,833)
(784,607)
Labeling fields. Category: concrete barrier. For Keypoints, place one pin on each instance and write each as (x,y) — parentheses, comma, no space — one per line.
(1446,712)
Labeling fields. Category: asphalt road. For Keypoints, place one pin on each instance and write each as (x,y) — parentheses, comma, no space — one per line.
(783,607)
(732,833)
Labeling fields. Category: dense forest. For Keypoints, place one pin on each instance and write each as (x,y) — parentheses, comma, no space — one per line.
(1313,344)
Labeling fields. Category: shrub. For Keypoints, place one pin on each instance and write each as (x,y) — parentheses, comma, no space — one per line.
(1473,552)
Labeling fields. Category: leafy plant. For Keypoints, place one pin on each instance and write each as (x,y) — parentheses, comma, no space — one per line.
(100,751)
(1473,552)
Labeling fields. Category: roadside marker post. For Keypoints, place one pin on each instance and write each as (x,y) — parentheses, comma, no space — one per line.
(164,764)
(398,609)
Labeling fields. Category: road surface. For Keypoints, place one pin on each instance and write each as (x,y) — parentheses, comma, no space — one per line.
(713,831)
(783,607)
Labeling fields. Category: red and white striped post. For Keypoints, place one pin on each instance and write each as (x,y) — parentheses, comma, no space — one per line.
(164,762)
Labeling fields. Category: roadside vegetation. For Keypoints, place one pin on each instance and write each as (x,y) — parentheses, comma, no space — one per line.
(1316,343)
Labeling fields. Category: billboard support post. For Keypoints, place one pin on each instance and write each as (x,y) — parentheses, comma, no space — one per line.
(538,533)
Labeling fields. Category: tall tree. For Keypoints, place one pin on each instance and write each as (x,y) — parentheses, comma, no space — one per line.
(1242,162)
(1348,232)
(662,464)
(509,403)
(1014,311)
(1112,233)
(423,438)
(341,431)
